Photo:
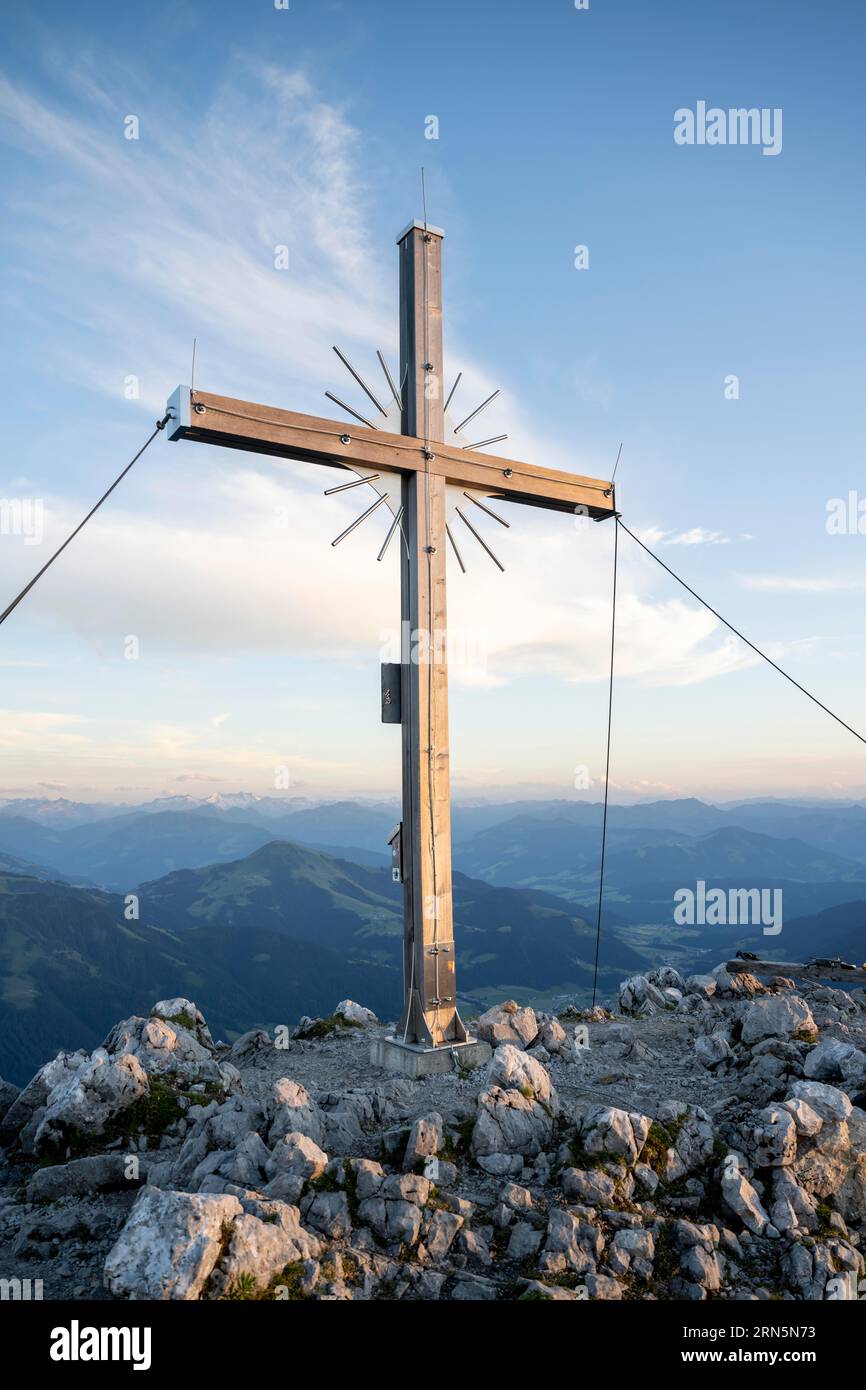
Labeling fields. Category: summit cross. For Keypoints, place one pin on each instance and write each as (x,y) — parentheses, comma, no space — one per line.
(414,473)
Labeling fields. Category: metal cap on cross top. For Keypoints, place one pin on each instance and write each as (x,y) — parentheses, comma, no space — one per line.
(411,468)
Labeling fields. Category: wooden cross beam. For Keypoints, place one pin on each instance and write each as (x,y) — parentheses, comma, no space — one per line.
(425,464)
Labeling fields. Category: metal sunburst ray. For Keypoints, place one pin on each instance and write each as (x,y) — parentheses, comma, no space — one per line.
(386,486)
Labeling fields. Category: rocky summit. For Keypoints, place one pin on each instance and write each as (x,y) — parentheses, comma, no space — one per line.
(697,1139)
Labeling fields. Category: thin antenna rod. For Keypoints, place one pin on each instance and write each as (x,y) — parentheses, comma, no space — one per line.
(391,529)
(192,372)
(458,428)
(482,443)
(616,465)
(344,487)
(451,392)
(361,382)
(390,380)
(357,522)
(500,519)
(454,547)
(480,539)
(357,415)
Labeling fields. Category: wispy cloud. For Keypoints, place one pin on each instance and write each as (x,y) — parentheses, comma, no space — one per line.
(803,584)
(696,535)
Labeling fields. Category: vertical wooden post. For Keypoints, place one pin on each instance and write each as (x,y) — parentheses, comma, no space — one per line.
(430,1017)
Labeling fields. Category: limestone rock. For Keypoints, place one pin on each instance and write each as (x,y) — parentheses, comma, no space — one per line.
(695,1138)
(356,1013)
(328,1212)
(552,1036)
(833,1060)
(807,1121)
(99,1173)
(740,1197)
(261,1245)
(32,1099)
(613,1131)
(703,985)
(255,1043)
(639,996)
(827,1101)
(770,1139)
(632,1252)
(514,1070)
(170,1245)
(701,1266)
(793,1208)
(85,1100)
(712,1050)
(569,1244)
(548,1293)
(807,1269)
(185,1014)
(295,1160)
(508,1023)
(509,1122)
(777,1016)
(591,1186)
(602,1286)
(741,985)
(394,1222)
(439,1231)
(294,1112)
(165,1049)
(426,1138)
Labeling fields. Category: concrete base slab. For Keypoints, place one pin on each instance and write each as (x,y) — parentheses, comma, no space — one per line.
(394,1055)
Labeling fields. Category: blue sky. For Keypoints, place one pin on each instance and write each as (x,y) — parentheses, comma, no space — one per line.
(259,643)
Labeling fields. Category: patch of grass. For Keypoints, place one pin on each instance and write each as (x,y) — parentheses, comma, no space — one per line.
(181,1020)
(499,1242)
(825,1231)
(287,1286)
(243,1290)
(350,1184)
(655,1150)
(150,1115)
(462,1145)
(581,1158)
(665,1265)
(323,1027)
(325,1182)
(226,1230)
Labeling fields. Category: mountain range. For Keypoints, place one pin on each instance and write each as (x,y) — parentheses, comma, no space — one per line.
(260,940)
(262,908)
